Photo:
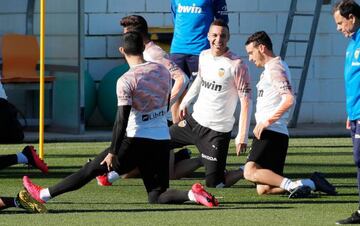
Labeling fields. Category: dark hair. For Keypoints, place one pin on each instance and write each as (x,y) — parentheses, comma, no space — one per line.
(135,23)
(258,38)
(133,43)
(347,7)
(221,23)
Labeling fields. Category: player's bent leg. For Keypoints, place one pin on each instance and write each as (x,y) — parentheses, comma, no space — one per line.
(233,176)
(170,196)
(256,174)
(185,167)
(249,173)
(268,190)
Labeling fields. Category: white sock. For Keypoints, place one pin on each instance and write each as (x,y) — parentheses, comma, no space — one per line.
(191,196)
(288,185)
(21,158)
(307,182)
(45,194)
(112,176)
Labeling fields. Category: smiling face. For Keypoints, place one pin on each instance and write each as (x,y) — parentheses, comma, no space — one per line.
(343,25)
(256,54)
(218,37)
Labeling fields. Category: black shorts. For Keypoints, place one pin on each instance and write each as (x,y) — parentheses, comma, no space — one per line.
(270,151)
(212,145)
(150,156)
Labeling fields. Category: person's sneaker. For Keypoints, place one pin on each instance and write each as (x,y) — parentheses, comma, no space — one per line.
(33,159)
(353,219)
(203,197)
(322,184)
(25,201)
(33,189)
(102,180)
(300,192)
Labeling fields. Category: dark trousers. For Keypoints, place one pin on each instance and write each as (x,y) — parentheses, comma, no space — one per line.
(150,156)
(355,135)
(7,160)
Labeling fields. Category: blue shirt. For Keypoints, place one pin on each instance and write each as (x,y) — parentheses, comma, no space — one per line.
(352,77)
(192,19)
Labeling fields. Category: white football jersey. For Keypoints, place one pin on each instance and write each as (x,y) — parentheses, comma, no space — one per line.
(146,88)
(274,81)
(221,81)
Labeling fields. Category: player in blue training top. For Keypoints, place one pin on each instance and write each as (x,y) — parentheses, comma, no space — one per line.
(346,14)
(192,19)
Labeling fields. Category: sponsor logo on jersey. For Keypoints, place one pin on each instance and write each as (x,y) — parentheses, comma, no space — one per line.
(221,72)
(211,85)
(356,54)
(210,158)
(189,9)
(152,116)
(261,93)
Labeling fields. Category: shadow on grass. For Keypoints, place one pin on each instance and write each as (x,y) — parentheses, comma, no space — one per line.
(310,153)
(150,209)
(84,156)
(321,146)
(16,174)
(170,209)
(295,201)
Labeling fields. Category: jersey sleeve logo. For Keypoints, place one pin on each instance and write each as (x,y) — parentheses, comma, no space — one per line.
(356,54)
(182,123)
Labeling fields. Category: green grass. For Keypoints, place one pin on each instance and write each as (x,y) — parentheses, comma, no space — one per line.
(125,203)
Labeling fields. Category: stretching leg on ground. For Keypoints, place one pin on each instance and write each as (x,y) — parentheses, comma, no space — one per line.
(269,182)
(78,179)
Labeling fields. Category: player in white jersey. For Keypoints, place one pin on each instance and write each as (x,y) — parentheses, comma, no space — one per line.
(275,97)
(140,135)
(222,80)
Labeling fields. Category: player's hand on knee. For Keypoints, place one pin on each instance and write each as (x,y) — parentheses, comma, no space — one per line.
(240,148)
(108,161)
(182,113)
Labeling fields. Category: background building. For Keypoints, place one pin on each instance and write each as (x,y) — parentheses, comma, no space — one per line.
(323,101)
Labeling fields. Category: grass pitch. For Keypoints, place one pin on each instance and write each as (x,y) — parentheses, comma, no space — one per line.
(125,203)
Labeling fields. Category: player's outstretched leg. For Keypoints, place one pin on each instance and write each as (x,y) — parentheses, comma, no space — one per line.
(33,189)
(27,202)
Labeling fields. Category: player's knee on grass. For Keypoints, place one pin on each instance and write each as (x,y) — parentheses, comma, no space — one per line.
(153,197)
(212,182)
(250,172)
